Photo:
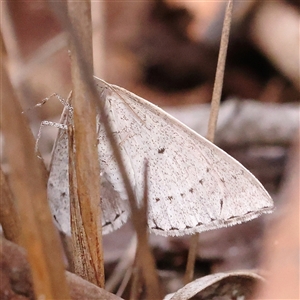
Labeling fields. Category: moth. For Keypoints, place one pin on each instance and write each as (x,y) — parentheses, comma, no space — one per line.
(193,185)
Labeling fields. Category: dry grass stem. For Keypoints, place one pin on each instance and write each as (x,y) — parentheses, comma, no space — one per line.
(86,169)
(124,265)
(9,218)
(136,286)
(217,91)
(99,37)
(28,183)
(145,259)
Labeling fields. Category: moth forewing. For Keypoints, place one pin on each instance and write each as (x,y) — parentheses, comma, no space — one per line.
(194,186)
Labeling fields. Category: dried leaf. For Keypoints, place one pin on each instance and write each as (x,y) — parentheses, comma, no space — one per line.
(226,285)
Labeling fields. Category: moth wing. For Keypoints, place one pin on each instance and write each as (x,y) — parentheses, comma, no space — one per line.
(115,212)
(194,186)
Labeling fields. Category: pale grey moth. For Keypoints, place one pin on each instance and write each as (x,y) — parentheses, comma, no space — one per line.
(194,186)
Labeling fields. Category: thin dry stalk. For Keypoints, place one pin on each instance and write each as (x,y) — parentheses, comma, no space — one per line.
(215,104)
(136,286)
(124,282)
(17,66)
(28,182)
(145,259)
(99,37)
(9,218)
(9,35)
(190,265)
(217,91)
(87,170)
(80,253)
(124,265)
(82,263)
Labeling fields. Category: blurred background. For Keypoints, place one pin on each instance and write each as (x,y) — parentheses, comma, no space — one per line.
(165,48)
(166,52)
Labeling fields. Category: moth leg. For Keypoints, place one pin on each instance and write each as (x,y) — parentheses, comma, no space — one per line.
(67,107)
(47,123)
